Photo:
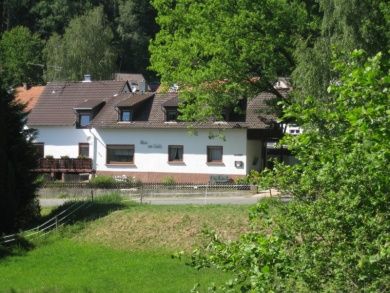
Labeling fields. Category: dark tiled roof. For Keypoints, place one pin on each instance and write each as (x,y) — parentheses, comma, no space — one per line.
(133,78)
(136,77)
(173,102)
(88,104)
(152,115)
(57,102)
(255,113)
(130,100)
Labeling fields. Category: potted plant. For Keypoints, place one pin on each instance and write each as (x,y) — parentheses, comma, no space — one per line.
(83,162)
(64,162)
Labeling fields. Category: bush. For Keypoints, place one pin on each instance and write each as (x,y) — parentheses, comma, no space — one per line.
(252,178)
(334,236)
(168,180)
(103,182)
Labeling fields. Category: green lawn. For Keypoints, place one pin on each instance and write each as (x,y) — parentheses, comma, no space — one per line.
(69,266)
(122,247)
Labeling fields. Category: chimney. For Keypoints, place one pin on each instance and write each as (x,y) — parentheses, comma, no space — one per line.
(87,78)
(142,86)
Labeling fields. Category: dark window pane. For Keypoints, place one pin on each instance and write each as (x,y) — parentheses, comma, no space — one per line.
(175,153)
(126,115)
(214,154)
(84,150)
(120,154)
(85,119)
(172,115)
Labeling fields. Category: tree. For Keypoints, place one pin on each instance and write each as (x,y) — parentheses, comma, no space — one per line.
(344,25)
(86,47)
(15,13)
(53,16)
(334,236)
(20,51)
(218,51)
(17,159)
(135,26)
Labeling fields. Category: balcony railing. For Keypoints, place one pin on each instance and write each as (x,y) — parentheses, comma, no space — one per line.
(64,165)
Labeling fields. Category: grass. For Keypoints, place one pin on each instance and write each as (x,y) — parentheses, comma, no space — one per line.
(171,228)
(69,266)
(121,247)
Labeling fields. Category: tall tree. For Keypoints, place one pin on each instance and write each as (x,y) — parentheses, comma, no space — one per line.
(53,16)
(345,25)
(17,158)
(135,26)
(334,235)
(14,13)
(20,53)
(85,47)
(219,50)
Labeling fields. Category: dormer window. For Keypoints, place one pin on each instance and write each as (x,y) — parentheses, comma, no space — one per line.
(171,114)
(84,120)
(86,110)
(126,115)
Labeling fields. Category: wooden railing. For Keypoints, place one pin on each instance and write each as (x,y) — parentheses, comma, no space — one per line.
(64,165)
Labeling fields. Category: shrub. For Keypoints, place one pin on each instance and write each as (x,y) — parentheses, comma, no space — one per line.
(334,236)
(168,180)
(252,178)
(103,182)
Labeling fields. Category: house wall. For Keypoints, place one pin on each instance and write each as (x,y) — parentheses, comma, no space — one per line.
(151,153)
(63,141)
(254,157)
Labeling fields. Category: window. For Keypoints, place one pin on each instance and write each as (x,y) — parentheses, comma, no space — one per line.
(84,119)
(175,153)
(120,154)
(84,150)
(172,114)
(39,150)
(214,154)
(126,115)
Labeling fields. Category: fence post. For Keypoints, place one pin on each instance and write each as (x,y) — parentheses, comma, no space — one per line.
(141,193)
(91,194)
(205,195)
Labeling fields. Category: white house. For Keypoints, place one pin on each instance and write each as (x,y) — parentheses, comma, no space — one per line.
(125,131)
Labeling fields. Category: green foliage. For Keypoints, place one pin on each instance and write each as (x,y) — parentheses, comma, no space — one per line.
(20,52)
(53,16)
(86,47)
(135,26)
(344,25)
(254,177)
(217,51)
(103,181)
(168,180)
(334,236)
(17,158)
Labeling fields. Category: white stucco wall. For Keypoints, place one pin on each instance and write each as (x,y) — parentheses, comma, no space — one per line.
(151,150)
(63,141)
(254,158)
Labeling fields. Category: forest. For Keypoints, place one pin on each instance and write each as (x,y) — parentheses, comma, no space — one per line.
(63,39)
(334,236)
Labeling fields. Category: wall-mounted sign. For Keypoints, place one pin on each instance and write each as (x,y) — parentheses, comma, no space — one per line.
(155,146)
